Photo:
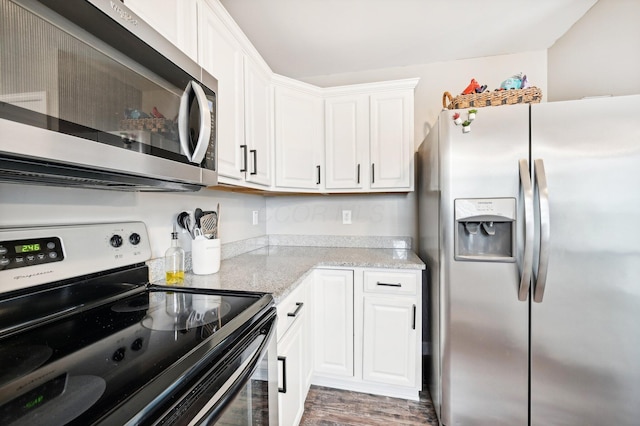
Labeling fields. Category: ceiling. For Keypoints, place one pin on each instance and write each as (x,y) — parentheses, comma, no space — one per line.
(307,38)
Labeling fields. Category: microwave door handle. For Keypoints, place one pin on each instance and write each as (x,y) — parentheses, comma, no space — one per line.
(183,121)
(205,125)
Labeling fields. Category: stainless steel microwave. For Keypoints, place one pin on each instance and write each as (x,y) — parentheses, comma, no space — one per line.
(91,96)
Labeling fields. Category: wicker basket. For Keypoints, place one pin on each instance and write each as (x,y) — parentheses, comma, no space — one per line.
(530,95)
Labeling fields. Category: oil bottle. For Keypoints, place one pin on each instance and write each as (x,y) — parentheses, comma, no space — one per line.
(174,261)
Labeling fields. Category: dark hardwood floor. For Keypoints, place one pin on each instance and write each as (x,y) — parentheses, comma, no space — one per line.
(335,407)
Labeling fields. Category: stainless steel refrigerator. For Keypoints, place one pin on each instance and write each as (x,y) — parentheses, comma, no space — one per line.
(530,229)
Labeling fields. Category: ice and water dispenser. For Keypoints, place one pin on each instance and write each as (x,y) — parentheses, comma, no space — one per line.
(485,229)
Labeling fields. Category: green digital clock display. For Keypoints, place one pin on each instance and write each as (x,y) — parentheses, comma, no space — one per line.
(27,248)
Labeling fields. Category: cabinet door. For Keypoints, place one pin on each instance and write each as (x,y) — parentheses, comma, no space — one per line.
(221,55)
(333,323)
(175,20)
(391,140)
(298,139)
(347,142)
(390,339)
(291,377)
(258,113)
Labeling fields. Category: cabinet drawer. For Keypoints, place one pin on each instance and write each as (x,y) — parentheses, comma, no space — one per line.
(291,308)
(390,282)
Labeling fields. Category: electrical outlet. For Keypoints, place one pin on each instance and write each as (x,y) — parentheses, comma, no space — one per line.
(346,217)
(255,217)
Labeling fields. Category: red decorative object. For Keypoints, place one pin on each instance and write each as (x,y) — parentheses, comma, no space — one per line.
(156,113)
(471,88)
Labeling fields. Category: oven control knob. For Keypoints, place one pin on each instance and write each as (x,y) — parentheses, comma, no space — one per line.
(118,355)
(116,241)
(134,238)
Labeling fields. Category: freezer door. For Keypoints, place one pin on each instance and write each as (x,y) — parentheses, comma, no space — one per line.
(484,326)
(585,335)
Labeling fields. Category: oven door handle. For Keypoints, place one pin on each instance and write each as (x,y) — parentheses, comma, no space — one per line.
(232,387)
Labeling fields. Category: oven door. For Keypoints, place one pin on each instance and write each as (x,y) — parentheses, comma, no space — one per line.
(241,390)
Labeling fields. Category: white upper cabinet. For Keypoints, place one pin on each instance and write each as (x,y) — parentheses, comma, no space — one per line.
(258,103)
(347,142)
(369,137)
(391,149)
(175,20)
(245,100)
(299,136)
(222,56)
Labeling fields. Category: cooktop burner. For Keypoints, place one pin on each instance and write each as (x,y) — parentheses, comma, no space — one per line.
(174,311)
(22,359)
(133,304)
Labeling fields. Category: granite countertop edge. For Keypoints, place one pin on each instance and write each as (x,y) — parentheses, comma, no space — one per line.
(280,269)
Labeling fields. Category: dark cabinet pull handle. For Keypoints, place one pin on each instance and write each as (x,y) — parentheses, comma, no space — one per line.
(255,162)
(389,284)
(414,318)
(318,182)
(373,173)
(244,156)
(283,389)
(358,173)
(295,313)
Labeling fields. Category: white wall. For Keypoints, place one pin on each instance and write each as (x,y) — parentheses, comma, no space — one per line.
(599,55)
(24,205)
(452,76)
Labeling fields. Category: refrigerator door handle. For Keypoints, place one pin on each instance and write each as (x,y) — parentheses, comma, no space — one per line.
(527,261)
(545,230)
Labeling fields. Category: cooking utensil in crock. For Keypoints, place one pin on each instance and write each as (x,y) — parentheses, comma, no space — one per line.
(209,224)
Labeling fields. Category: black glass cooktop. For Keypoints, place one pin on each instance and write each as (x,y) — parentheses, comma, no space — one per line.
(72,363)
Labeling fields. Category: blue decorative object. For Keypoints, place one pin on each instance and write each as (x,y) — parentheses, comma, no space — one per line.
(135,113)
(511,83)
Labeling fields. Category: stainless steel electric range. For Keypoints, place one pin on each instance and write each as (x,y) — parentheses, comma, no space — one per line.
(86,339)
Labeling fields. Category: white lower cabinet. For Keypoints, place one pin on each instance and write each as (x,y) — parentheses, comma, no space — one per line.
(389,340)
(391,327)
(367,330)
(291,395)
(294,355)
(333,323)
(354,329)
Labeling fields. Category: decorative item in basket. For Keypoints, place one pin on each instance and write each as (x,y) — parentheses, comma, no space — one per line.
(531,95)
(154,122)
(514,90)
(155,125)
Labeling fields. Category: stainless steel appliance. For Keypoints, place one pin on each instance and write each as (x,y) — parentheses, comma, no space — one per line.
(85,339)
(91,96)
(527,226)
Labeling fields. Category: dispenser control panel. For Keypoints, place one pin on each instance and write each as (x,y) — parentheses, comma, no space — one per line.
(485,229)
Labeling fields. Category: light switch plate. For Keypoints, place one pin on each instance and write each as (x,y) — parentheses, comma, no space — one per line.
(255,217)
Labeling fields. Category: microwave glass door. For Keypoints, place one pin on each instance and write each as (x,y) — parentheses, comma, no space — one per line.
(71,82)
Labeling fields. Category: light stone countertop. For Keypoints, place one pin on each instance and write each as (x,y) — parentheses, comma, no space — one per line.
(279,269)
